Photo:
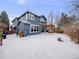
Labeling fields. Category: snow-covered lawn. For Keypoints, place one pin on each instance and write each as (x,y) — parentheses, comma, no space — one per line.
(41,46)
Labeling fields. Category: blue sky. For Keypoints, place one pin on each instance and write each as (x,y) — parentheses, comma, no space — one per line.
(15,8)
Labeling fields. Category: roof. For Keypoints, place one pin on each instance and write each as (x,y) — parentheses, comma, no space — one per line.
(44,17)
(14,19)
(26,13)
(30,13)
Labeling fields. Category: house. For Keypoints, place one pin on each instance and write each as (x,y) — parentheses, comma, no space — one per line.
(29,23)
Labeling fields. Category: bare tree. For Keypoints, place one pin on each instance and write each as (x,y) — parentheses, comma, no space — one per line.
(65,20)
(50,18)
(75,7)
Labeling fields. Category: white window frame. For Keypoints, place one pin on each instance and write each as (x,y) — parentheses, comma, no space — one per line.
(33,28)
(27,16)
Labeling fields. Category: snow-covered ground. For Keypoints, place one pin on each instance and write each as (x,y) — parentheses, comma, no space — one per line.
(41,46)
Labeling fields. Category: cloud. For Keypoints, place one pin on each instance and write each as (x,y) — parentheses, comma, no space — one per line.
(21,2)
(45,2)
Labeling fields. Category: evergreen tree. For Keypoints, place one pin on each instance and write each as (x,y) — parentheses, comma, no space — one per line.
(4,18)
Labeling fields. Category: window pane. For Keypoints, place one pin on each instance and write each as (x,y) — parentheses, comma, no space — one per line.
(32,29)
(35,28)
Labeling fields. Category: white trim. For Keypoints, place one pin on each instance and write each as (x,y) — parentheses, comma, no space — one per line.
(26,17)
(33,25)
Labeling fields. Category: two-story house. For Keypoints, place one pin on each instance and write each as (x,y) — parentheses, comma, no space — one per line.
(29,23)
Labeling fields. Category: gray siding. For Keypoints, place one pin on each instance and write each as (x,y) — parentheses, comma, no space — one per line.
(35,21)
(25,28)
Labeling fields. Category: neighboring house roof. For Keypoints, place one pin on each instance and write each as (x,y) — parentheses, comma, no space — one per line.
(14,19)
(30,13)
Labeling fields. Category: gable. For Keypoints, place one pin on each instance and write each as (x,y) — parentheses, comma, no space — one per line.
(30,15)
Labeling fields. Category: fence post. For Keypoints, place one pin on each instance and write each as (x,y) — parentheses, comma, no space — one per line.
(1,32)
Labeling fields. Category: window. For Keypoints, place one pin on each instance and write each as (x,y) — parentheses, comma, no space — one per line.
(31,17)
(37,28)
(34,28)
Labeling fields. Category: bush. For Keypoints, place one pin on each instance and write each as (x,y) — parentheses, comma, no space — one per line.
(73,32)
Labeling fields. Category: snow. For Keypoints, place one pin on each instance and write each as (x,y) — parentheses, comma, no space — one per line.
(40,46)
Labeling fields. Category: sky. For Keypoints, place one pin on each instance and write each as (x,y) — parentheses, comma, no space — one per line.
(15,8)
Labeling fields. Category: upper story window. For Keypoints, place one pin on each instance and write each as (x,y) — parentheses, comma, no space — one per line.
(32,17)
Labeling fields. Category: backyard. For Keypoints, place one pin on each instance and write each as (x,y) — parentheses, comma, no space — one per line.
(40,46)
